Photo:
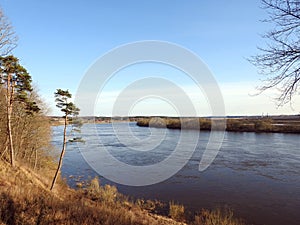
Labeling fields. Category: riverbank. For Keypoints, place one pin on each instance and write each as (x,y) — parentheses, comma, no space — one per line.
(25,199)
(283,124)
(57,121)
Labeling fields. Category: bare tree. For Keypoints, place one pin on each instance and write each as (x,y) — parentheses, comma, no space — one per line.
(280,60)
(31,132)
(8,38)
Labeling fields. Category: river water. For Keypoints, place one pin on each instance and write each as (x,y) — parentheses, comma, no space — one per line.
(257,175)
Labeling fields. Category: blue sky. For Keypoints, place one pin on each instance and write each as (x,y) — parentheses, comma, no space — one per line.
(60,40)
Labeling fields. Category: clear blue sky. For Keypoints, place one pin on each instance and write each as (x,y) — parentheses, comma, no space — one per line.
(59,40)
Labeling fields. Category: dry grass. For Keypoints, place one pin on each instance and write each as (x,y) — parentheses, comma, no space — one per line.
(236,125)
(153,206)
(25,199)
(176,211)
(216,217)
(107,194)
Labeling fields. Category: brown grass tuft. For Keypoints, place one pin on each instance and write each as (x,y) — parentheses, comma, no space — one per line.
(176,211)
(25,199)
(216,217)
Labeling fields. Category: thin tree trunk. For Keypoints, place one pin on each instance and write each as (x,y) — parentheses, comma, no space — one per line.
(35,159)
(62,154)
(4,152)
(5,147)
(9,112)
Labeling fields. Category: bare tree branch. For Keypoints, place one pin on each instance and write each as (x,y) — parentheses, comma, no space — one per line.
(280,60)
(8,38)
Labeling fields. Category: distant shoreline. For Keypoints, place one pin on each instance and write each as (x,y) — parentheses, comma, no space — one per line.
(258,124)
(246,124)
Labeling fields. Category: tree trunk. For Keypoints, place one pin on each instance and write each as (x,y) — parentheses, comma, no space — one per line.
(5,147)
(9,112)
(35,159)
(61,154)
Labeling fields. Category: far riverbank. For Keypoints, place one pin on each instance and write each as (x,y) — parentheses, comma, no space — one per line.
(269,124)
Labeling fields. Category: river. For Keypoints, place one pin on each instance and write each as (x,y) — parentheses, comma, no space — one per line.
(257,175)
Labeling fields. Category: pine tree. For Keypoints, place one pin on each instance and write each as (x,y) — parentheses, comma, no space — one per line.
(69,109)
(17,83)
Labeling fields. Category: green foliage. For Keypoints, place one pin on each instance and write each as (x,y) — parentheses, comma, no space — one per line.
(62,98)
(62,101)
(69,109)
(20,78)
(17,82)
(19,108)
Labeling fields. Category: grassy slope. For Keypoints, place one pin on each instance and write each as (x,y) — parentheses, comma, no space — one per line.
(25,199)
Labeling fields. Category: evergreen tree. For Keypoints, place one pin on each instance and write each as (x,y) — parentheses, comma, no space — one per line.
(69,109)
(17,82)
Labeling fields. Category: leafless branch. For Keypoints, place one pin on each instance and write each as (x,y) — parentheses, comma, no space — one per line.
(280,60)
(8,38)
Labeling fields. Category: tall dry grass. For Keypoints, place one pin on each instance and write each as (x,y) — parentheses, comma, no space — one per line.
(176,211)
(236,125)
(25,199)
(217,217)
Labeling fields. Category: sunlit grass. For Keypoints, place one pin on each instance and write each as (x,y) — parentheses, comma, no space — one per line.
(176,211)
(25,199)
(216,217)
